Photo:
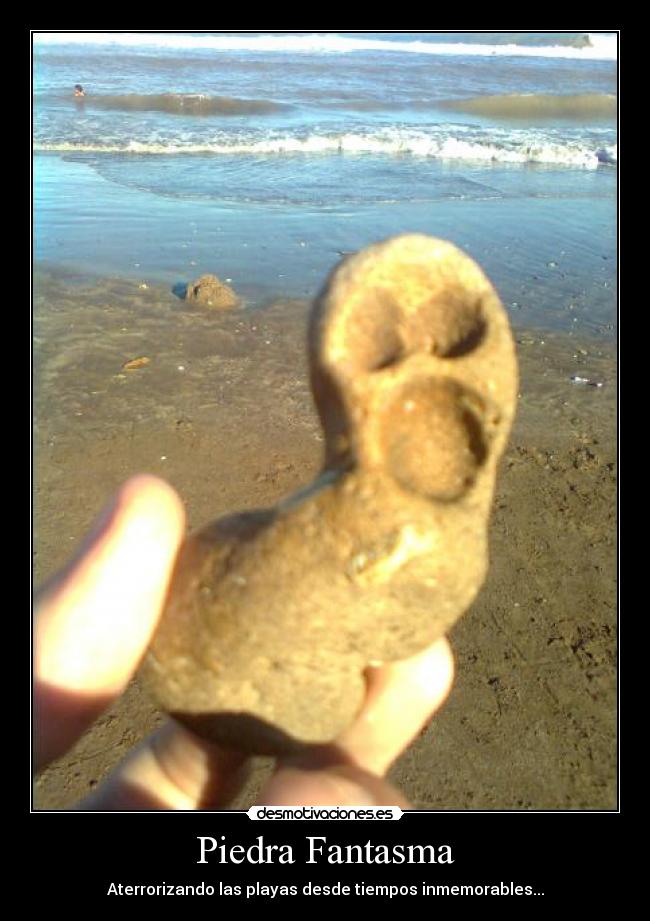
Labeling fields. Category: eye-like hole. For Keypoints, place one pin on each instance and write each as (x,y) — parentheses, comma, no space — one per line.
(367,333)
(378,326)
(448,325)
(469,342)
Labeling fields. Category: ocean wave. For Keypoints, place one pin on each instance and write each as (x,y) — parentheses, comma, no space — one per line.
(608,154)
(183,104)
(526,150)
(583,107)
(601,46)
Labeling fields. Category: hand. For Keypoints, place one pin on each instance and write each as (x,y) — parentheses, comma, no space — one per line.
(94,621)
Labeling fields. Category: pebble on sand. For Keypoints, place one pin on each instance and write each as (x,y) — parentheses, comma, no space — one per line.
(135,363)
(208,291)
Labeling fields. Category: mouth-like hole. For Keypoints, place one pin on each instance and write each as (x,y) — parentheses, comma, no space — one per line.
(433,438)
(474,430)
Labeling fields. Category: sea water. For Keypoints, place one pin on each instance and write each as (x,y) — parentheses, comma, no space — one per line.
(262,157)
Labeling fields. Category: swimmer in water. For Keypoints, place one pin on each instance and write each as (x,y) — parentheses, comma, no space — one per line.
(79,90)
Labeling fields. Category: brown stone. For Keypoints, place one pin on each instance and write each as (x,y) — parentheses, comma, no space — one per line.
(273,615)
(208,291)
(136,363)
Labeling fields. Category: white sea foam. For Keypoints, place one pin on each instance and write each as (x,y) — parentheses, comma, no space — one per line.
(608,154)
(515,149)
(603,46)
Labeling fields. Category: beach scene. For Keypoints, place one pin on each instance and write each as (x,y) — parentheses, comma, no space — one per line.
(267,159)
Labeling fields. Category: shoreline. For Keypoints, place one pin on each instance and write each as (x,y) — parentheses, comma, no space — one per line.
(546,239)
(536,653)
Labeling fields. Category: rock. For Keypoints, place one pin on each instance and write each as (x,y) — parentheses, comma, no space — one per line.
(136,363)
(274,614)
(208,291)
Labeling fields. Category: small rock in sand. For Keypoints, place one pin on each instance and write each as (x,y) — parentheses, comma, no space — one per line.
(135,363)
(208,291)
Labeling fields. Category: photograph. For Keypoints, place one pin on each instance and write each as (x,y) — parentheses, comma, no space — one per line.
(324,452)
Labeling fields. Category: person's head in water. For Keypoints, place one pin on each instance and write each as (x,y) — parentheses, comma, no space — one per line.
(79,90)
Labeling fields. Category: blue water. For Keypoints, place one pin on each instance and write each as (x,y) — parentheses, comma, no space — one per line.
(261,156)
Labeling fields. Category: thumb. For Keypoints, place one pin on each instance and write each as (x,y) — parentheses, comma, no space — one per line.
(95,619)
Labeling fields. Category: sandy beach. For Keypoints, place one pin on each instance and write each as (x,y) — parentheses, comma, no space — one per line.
(223,412)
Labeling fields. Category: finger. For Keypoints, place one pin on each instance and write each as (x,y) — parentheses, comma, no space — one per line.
(336,785)
(95,620)
(402,697)
(186,773)
(172,769)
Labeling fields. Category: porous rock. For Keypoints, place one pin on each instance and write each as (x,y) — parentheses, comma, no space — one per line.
(273,615)
(208,291)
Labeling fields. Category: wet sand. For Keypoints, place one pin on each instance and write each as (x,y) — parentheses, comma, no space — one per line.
(223,411)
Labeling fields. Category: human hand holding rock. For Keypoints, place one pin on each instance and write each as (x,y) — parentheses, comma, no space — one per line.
(274,615)
(94,621)
(312,630)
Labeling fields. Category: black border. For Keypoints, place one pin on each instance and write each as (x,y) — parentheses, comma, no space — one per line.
(567,856)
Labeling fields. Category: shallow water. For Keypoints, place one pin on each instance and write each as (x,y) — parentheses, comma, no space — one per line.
(553,260)
(261,157)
